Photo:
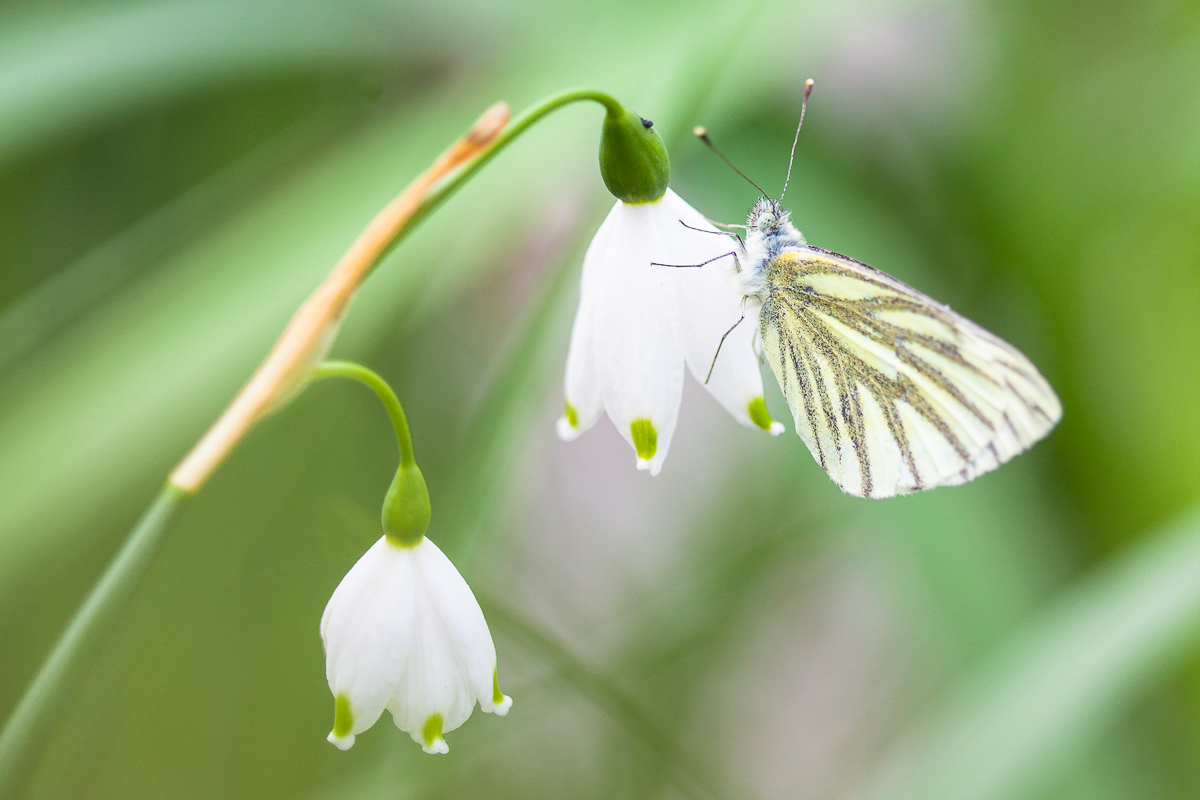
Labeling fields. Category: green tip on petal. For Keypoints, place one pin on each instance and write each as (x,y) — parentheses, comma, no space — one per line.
(633,158)
(757,409)
(431,734)
(645,438)
(497,695)
(501,702)
(343,717)
(570,414)
(758,413)
(343,723)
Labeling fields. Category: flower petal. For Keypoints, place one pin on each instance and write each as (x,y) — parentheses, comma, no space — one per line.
(434,686)
(710,305)
(465,624)
(582,401)
(637,331)
(365,629)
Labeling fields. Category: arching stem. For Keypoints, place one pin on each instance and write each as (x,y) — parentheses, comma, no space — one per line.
(391,403)
(306,338)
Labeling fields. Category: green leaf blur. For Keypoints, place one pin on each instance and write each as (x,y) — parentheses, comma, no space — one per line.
(176,176)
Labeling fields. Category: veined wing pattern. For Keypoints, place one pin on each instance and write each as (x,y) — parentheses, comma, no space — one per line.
(891,390)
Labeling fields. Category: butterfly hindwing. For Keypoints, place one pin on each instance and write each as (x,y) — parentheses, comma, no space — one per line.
(891,390)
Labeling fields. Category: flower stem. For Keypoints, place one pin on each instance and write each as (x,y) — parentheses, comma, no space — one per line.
(311,329)
(357,372)
(518,126)
(31,724)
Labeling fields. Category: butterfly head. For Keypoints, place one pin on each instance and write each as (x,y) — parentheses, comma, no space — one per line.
(766,216)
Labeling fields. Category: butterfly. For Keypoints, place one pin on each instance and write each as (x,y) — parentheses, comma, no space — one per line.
(892,391)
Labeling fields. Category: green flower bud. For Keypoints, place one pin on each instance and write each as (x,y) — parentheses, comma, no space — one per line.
(633,159)
(406,508)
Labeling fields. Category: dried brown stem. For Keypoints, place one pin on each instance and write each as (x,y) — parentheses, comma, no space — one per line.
(312,329)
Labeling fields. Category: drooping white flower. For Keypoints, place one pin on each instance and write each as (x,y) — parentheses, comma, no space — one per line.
(403,631)
(638,324)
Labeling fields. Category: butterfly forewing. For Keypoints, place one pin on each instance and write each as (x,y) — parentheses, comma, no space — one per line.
(891,390)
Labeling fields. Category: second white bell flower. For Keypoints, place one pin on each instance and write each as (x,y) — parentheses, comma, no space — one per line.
(638,325)
(403,631)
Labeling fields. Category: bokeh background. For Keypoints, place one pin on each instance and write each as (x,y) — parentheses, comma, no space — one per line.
(176,176)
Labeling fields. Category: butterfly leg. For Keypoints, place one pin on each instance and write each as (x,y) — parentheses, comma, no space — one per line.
(713,365)
(737,236)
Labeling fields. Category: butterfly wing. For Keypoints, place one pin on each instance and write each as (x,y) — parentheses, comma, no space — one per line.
(891,390)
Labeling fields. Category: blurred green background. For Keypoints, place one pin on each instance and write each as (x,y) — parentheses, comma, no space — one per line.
(176,176)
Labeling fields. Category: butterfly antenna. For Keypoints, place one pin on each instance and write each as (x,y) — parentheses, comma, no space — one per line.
(701,133)
(808,84)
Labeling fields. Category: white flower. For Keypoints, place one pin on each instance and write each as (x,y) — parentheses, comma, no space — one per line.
(404,632)
(638,324)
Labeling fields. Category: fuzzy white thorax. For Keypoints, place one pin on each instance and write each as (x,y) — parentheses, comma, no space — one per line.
(769,232)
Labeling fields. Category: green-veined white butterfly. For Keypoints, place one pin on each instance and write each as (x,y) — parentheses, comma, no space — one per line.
(891,390)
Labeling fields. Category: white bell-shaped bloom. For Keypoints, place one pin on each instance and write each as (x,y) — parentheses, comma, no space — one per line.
(638,324)
(404,632)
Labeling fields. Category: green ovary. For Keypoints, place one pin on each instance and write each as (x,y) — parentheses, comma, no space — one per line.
(343,717)
(645,438)
(758,413)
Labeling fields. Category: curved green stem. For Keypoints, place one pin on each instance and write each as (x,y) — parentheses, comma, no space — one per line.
(30,725)
(29,728)
(515,129)
(357,372)
(406,509)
